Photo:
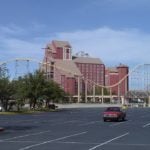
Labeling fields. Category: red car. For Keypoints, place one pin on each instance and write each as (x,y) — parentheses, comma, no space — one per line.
(114,113)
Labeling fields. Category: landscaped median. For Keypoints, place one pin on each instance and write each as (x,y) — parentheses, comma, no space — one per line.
(27,111)
(17,112)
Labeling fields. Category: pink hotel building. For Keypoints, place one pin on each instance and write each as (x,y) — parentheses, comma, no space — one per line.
(60,66)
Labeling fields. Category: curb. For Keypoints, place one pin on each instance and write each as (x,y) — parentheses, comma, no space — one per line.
(86,105)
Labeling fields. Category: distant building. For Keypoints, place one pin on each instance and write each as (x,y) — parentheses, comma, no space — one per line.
(92,69)
(114,75)
(59,66)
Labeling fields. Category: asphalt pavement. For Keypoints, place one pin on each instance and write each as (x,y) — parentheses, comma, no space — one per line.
(75,129)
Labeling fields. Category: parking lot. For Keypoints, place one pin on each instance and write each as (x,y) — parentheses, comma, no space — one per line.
(75,129)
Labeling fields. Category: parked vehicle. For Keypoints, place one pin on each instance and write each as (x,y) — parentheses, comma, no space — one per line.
(52,106)
(114,114)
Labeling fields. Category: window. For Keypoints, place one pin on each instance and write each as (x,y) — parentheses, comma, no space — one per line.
(67,50)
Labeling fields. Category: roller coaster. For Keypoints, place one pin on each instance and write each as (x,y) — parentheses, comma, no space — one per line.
(139,77)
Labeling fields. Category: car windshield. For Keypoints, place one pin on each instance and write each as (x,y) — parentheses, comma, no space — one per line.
(113,109)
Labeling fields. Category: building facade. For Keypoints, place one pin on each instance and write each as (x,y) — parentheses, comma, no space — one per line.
(115,75)
(73,74)
(58,65)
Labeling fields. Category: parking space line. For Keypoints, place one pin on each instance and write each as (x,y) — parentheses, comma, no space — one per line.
(71,121)
(148,124)
(89,123)
(20,141)
(61,138)
(116,144)
(144,116)
(106,142)
(126,144)
(80,143)
(22,136)
(116,124)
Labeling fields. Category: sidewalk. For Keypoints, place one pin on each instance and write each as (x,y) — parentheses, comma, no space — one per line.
(86,105)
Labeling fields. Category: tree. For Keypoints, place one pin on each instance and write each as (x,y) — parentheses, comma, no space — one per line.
(53,92)
(38,88)
(34,85)
(19,92)
(5,92)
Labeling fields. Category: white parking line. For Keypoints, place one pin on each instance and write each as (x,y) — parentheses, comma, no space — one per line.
(61,138)
(20,141)
(16,137)
(148,124)
(116,124)
(92,122)
(132,144)
(116,144)
(71,121)
(80,143)
(104,143)
(145,116)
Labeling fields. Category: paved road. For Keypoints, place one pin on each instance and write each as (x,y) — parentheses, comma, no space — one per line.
(76,129)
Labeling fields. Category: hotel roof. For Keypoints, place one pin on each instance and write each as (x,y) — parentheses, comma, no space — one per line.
(112,69)
(61,43)
(88,60)
(67,67)
(51,48)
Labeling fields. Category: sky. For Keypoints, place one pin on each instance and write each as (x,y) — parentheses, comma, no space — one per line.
(116,31)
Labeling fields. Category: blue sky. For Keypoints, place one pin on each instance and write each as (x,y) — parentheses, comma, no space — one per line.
(116,31)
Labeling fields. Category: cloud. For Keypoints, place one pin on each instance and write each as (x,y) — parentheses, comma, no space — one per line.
(112,46)
(21,48)
(12,29)
(129,46)
(17,42)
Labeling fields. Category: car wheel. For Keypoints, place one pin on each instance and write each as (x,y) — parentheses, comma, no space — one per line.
(123,118)
(118,119)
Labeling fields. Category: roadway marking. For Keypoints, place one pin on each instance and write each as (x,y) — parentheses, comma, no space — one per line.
(20,141)
(116,124)
(148,124)
(104,143)
(71,121)
(125,144)
(16,137)
(117,144)
(145,116)
(61,138)
(89,123)
(80,143)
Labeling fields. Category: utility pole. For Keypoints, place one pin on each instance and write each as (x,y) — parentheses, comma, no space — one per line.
(78,89)
(94,93)
(85,91)
(102,95)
